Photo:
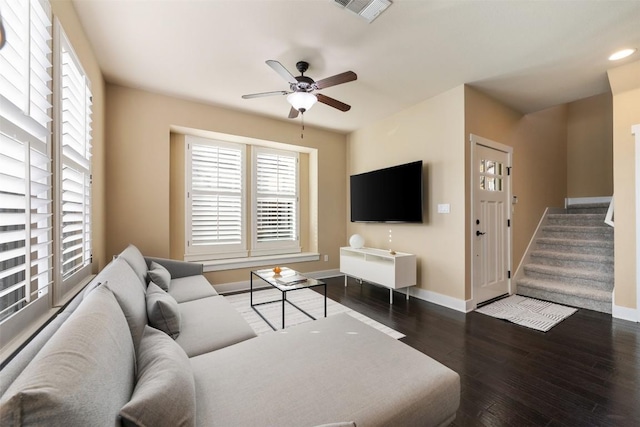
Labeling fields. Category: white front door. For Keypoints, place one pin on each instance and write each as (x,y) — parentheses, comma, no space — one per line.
(491,240)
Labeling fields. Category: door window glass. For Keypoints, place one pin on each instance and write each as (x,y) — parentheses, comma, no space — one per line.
(491,173)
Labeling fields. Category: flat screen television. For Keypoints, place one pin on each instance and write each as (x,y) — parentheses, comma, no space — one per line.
(392,194)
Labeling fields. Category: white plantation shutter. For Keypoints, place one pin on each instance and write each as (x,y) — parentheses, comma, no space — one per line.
(75,164)
(40,64)
(215,199)
(14,57)
(275,201)
(25,158)
(25,221)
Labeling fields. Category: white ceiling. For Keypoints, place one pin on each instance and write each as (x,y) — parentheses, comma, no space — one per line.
(529,54)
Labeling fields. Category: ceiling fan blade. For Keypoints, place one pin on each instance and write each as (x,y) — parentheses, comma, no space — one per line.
(347,76)
(260,95)
(279,68)
(332,102)
(293,113)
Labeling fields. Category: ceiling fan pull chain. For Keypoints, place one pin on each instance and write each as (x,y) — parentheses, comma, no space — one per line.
(302,133)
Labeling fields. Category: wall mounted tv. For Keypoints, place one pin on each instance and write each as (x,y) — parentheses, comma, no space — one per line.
(388,195)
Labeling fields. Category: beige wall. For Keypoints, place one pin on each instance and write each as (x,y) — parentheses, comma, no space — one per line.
(177,182)
(539,176)
(625,85)
(66,14)
(488,118)
(431,131)
(539,171)
(139,168)
(590,147)
(437,132)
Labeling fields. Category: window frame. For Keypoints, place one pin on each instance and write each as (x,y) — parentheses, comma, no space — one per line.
(26,119)
(251,254)
(214,251)
(280,246)
(68,283)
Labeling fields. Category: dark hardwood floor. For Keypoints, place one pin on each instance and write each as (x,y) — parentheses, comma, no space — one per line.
(583,372)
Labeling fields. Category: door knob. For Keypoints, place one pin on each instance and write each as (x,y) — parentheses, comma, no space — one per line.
(478,233)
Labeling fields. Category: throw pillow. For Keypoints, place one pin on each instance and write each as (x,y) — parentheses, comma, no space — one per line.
(160,276)
(165,393)
(134,257)
(120,278)
(163,311)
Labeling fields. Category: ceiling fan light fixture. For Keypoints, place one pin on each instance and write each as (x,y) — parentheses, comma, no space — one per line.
(302,101)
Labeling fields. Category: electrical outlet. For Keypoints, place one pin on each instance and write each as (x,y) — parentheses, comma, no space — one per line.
(326,258)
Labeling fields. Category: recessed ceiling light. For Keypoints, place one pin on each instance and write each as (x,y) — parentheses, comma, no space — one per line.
(622,54)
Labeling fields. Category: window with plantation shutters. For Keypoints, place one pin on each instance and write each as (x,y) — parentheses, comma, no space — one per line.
(74,145)
(26,238)
(215,199)
(275,201)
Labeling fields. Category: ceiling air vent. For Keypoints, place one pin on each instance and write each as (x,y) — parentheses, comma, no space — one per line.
(368,9)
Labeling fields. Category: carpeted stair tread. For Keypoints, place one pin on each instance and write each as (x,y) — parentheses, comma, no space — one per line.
(587,261)
(560,288)
(575,242)
(571,276)
(589,298)
(571,256)
(577,219)
(585,229)
(574,216)
(577,232)
(595,208)
(589,206)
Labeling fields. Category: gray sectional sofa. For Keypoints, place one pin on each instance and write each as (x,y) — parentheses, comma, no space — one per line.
(149,342)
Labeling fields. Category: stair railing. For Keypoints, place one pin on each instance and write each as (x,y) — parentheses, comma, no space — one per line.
(608,219)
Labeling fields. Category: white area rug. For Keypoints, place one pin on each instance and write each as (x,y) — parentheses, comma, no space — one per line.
(308,300)
(529,312)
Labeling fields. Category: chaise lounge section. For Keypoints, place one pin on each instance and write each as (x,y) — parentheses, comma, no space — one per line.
(150,345)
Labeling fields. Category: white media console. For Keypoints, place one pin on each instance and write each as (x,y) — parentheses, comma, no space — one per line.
(379,266)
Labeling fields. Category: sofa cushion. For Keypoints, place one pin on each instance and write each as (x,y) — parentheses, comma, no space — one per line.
(191,288)
(10,372)
(209,324)
(165,389)
(82,376)
(177,268)
(123,282)
(91,286)
(134,257)
(160,276)
(163,311)
(380,381)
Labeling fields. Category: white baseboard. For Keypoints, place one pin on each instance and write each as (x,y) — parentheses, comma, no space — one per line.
(425,295)
(625,313)
(440,299)
(324,274)
(585,200)
(226,288)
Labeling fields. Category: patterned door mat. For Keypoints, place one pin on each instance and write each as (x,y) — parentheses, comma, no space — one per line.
(529,312)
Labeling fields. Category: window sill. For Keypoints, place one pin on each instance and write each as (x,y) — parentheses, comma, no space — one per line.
(236,263)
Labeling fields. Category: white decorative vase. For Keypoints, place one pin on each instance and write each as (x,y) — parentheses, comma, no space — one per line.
(356,241)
